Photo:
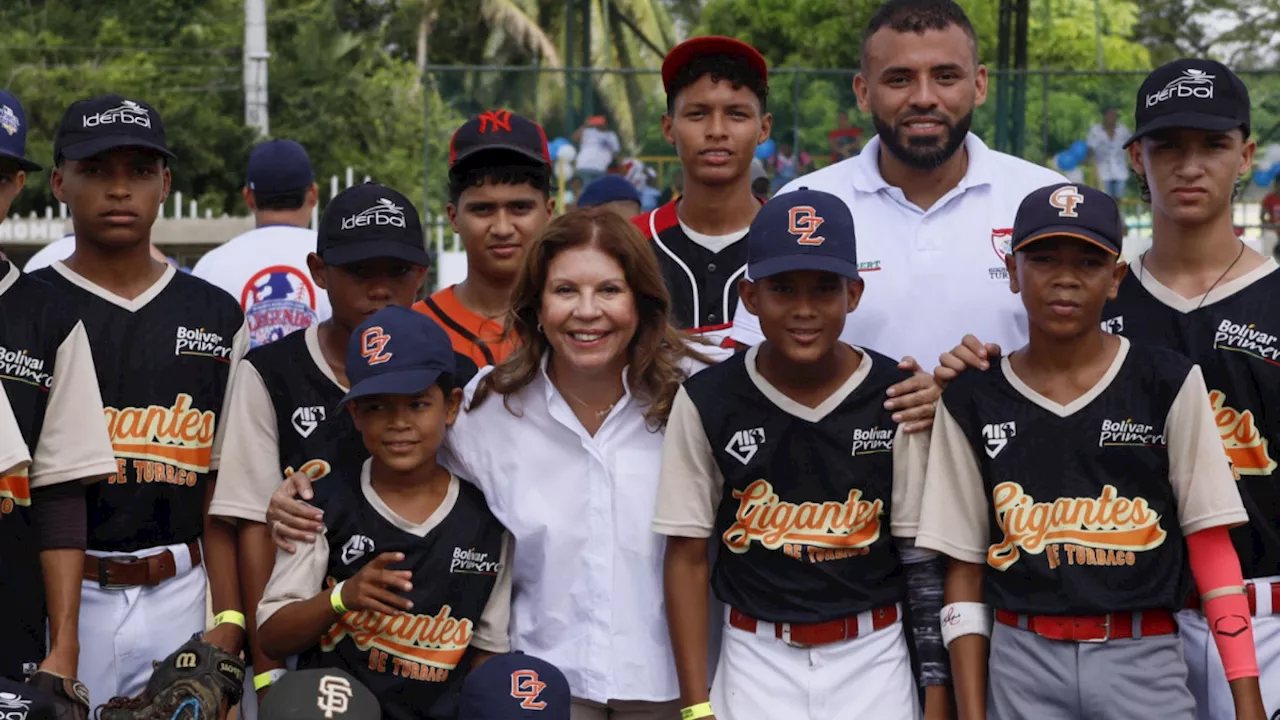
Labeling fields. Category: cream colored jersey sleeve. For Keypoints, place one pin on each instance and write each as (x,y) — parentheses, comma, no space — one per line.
(910,461)
(74,442)
(954,512)
(13,449)
(690,484)
(250,470)
(239,347)
(1203,482)
(295,577)
(492,631)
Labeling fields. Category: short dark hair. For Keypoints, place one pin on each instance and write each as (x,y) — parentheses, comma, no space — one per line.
(918,16)
(720,66)
(292,200)
(469,175)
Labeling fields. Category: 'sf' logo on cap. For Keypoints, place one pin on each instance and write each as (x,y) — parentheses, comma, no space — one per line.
(1066,199)
(804,223)
(334,695)
(495,120)
(526,687)
(373,345)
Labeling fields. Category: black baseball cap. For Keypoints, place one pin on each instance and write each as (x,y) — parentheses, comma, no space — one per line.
(397,351)
(802,230)
(685,52)
(515,686)
(1069,210)
(277,167)
(19,700)
(322,694)
(1191,93)
(500,130)
(370,221)
(13,131)
(92,127)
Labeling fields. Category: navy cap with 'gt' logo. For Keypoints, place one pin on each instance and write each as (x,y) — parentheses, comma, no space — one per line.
(397,351)
(1069,210)
(802,230)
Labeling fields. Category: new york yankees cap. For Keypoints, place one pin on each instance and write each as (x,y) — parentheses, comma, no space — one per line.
(368,221)
(397,351)
(685,52)
(499,131)
(514,686)
(94,126)
(1191,93)
(802,230)
(13,132)
(277,167)
(322,694)
(1069,210)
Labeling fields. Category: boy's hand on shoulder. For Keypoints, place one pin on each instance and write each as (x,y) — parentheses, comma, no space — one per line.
(970,353)
(912,400)
(374,588)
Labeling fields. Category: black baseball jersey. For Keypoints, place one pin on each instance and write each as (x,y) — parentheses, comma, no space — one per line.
(1234,341)
(703,284)
(1082,516)
(803,518)
(163,361)
(410,661)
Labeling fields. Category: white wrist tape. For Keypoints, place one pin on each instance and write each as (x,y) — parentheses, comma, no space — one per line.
(965,618)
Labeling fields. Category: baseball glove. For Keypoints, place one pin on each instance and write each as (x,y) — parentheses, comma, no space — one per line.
(70,696)
(198,681)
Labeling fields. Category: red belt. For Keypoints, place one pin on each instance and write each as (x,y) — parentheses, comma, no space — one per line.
(1251,590)
(821,633)
(1092,628)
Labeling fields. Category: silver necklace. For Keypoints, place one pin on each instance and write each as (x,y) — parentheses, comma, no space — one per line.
(1142,266)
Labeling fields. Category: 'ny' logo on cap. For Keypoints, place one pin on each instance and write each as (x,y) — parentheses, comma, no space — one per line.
(526,687)
(373,345)
(1066,199)
(495,120)
(804,223)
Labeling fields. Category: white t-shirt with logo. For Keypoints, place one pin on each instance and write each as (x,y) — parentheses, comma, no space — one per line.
(59,249)
(266,270)
(1109,152)
(931,275)
(597,148)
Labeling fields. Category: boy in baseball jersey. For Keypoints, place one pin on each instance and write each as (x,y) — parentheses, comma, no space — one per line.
(499,199)
(283,411)
(47,373)
(165,345)
(1079,487)
(716,89)
(411,571)
(786,454)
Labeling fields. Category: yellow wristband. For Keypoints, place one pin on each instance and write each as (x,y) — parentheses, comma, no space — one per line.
(234,617)
(335,599)
(264,679)
(693,712)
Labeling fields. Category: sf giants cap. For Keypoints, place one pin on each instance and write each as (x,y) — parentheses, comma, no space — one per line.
(802,230)
(94,126)
(514,686)
(397,351)
(13,132)
(1190,93)
(370,221)
(686,51)
(277,167)
(499,130)
(1069,210)
(328,694)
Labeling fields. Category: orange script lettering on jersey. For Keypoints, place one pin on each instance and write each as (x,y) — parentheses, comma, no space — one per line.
(180,435)
(1107,522)
(763,517)
(1246,447)
(438,640)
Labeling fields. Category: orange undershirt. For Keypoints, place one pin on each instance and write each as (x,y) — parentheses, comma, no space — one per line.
(470,333)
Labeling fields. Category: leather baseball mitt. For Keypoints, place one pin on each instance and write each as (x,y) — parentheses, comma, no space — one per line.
(70,696)
(198,681)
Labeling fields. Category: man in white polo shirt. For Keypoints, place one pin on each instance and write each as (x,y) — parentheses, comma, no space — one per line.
(932,204)
(266,268)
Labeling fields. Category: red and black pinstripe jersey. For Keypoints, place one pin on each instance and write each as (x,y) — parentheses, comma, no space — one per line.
(703,284)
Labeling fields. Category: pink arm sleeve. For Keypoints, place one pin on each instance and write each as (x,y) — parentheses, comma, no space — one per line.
(1214,565)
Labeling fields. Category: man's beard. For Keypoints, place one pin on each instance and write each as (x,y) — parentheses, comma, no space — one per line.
(923,153)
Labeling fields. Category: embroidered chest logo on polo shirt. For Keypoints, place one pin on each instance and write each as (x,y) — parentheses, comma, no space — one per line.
(1001,243)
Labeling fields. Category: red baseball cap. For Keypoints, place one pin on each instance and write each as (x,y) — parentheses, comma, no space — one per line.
(686,51)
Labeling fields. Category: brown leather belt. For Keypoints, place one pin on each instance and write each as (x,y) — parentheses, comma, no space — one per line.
(1193,602)
(821,633)
(124,571)
(1092,628)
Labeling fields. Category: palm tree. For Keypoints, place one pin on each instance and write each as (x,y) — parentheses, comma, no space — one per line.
(511,20)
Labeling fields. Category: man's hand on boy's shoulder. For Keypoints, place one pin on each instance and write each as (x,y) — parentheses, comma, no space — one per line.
(913,399)
(970,353)
(293,520)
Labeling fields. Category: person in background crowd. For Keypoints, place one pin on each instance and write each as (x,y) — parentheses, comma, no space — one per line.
(1107,141)
(759,179)
(573,191)
(1270,216)
(597,148)
(787,165)
(845,140)
(266,268)
(612,192)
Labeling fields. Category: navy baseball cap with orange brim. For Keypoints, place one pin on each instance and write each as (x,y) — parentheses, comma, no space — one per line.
(802,230)
(686,51)
(397,351)
(1070,210)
